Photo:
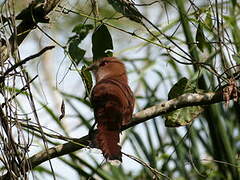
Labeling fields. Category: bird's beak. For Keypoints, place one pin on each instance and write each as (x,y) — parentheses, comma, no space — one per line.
(92,67)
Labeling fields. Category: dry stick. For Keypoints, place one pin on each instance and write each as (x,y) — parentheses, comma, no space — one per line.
(53,152)
(21,90)
(166,36)
(144,39)
(153,170)
(185,100)
(127,8)
(32,104)
(221,162)
(10,143)
(22,31)
(137,17)
(3,119)
(20,63)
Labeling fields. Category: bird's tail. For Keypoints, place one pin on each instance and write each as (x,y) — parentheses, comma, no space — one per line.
(108,142)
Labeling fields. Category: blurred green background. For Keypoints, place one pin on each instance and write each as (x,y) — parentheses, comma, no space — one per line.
(199,40)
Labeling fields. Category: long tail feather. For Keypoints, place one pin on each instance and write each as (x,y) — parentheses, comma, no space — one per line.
(108,142)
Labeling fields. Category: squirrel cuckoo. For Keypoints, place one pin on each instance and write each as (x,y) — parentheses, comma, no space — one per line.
(113,104)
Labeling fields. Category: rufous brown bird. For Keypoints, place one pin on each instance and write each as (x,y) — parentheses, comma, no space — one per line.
(113,104)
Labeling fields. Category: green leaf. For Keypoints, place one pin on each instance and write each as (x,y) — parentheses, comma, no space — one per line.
(82,100)
(127,9)
(178,88)
(94,170)
(101,42)
(234,2)
(183,116)
(236,58)
(42,170)
(87,80)
(54,116)
(82,30)
(75,52)
(16,90)
(208,21)
(80,170)
(200,38)
(138,140)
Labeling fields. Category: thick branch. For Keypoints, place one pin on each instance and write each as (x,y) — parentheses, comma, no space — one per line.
(185,100)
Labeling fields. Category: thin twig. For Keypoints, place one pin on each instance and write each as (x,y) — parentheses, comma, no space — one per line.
(20,63)
(153,170)
(185,100)
(21,90)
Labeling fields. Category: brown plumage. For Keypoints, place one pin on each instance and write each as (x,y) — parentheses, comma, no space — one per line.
(113,103)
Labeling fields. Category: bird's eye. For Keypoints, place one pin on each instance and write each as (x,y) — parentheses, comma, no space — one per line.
(103,63)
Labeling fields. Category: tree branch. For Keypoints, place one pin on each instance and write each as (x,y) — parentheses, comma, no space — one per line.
(185,100)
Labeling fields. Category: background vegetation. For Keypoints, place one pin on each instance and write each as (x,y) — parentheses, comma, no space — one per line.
(44,99)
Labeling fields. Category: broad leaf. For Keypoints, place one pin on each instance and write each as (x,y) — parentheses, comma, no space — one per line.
(102,44)
(178,88)
(183,116)
(75,52)
(81,31)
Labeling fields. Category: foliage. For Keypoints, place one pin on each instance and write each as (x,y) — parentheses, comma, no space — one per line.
(190,46)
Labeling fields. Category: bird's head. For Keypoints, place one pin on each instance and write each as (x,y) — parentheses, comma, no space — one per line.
(108,67)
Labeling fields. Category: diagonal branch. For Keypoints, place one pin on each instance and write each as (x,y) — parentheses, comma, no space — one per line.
(185,100)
